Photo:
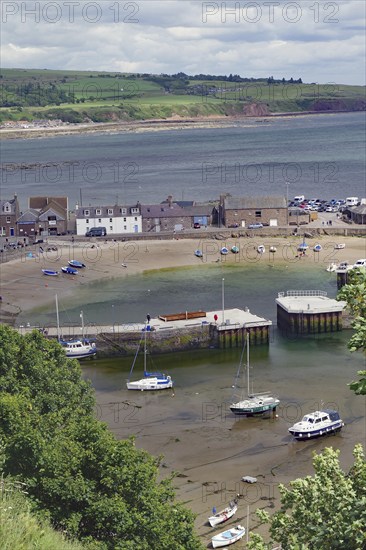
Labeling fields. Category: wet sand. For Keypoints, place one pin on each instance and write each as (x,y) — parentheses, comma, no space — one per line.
(24,287)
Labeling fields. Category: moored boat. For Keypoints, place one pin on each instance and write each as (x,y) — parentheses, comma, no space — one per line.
(76,263)
(339,246)
(224,250)
(317,424)
(78,348)
(151,380)
(317,247)
(252,404)
(69,270)
(235,249)
(50,272)
(228,537)
(261,249)
(224,514)
(198,253)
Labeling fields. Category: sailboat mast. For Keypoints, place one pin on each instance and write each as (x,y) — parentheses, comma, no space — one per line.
(145,350)
(248,386)
(82,324)
(57,318)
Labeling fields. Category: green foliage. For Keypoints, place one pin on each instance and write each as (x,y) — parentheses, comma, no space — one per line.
(324,512)
(89,484)
(359,386)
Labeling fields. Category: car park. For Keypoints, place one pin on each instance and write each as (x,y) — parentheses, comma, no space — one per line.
(255,225)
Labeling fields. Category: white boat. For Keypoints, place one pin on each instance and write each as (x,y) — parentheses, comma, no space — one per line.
(317,424)
(332,267)
(198,253)
(80,348)
(224,514)
(228,537)
(224,250)
(261,249)
(339,246)
(252,404)
(235,249)
(317,248)
(273,249)
(360,263)
(151,380)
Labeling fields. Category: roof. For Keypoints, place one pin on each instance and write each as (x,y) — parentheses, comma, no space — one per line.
(40,202)
(30,215)
(162,211)
(359,209)
(242,203)
(11,202)
(103,211)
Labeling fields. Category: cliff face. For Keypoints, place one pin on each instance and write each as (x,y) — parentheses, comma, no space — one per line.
(339,105)
(256,109)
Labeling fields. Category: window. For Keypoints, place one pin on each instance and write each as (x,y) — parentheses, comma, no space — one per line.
(99,220)
(98,212)
(86,212)
(124,219)
(135,219)
(123,211)
(87,221)
(110,212)
(8,219)
(258,213)
(134,210)
(125,227)
(111,228)
(110,220)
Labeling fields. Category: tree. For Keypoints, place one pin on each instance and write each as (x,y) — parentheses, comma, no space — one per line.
(88,483)
(323,512)
(354,293)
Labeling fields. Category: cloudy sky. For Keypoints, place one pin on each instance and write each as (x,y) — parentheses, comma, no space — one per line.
(319,41)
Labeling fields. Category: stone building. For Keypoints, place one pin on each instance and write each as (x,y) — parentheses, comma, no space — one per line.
(244,211)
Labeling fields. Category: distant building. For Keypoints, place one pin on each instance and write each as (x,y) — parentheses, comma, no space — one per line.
(173,216)
(116,219)
(357,214)
(244,211)
(46,216)
(9,213)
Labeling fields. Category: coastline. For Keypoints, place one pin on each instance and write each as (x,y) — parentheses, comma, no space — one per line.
(151,125)
(24,287)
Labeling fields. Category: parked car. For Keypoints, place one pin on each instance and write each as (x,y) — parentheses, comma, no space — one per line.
(96,232)
(197,225)
(255,225)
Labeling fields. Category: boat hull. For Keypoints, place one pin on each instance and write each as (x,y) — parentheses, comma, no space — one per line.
(326,430)
(78,349)
(222,516)
(228,537)
(151,384)
(255,406)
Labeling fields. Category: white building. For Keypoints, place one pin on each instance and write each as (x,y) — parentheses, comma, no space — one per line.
(116,219)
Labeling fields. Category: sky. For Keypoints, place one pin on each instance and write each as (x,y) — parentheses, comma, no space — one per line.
(319,41)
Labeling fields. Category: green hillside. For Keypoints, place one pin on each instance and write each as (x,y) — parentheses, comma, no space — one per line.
(83,96)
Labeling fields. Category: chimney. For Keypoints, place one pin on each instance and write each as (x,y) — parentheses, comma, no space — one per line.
(170,200)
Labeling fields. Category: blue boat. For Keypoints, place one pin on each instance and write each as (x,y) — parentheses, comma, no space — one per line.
(76,263)
(224,251)
(69,270)
(50,272)
(198,253)
(317,248)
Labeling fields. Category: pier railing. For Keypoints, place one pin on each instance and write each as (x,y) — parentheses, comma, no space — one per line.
(302,293)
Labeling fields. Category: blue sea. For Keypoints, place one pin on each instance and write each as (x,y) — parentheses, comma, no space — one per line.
(318,155)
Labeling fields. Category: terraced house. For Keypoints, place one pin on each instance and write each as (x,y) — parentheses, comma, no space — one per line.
(9,213)
(115,219)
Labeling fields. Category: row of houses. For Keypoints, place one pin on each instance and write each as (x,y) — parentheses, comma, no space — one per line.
(49,216)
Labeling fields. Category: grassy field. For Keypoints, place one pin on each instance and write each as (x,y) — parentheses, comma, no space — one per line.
(77,96)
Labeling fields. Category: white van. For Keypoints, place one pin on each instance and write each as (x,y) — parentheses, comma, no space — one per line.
(351,201)
(299,198)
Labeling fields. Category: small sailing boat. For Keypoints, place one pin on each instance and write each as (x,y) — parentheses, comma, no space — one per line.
(224,514)
(50,272)
(80,348)
(151,380)
(261,249)
(228,537)
(253,404)
(76,263)
(69,270)
(198,253)
(273,249)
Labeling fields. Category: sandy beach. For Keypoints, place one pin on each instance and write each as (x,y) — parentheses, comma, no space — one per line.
(23,286)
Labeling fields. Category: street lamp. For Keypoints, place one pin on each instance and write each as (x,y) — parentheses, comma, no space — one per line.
(287,184)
